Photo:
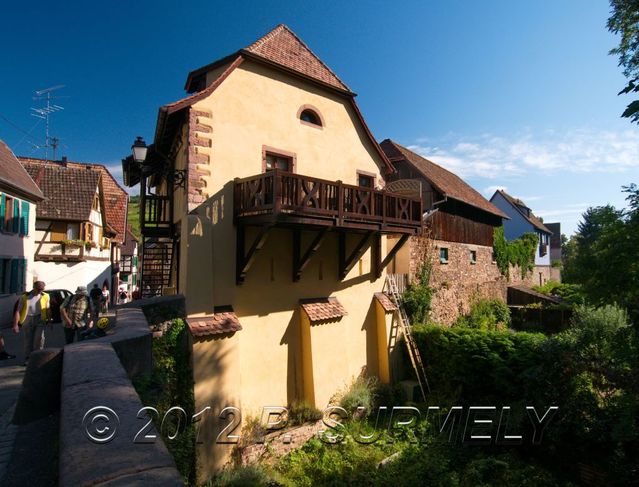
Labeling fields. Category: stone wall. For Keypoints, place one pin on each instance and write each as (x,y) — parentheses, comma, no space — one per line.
(458,282)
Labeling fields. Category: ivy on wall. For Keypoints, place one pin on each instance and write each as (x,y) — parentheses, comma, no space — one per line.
(520,252)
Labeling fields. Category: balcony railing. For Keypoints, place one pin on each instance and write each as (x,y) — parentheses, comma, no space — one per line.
(293,197)
(156,214)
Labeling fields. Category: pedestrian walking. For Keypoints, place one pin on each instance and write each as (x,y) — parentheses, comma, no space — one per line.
(96,302)
(32,313)
(76,314)
(105,298)
(122,296)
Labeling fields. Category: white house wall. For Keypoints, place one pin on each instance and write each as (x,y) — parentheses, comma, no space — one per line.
(13,246)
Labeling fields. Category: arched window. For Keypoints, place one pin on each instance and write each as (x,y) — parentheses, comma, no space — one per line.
(311,116)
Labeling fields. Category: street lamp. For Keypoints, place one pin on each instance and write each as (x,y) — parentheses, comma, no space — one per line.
(139,149)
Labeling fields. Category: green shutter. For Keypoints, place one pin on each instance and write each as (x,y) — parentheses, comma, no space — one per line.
(16,216)
(24,219)
(22,275)
(13,278)
(3,205)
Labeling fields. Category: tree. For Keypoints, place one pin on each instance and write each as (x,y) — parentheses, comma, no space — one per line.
(603,256)
(624,20)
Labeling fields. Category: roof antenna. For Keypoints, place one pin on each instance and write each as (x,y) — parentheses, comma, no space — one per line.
(44,113)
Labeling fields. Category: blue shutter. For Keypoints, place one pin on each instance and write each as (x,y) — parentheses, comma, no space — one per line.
(3,206)
(16,216)
(13,282)
(24,219)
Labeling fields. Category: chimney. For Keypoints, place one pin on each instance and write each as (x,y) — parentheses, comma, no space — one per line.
(64,161)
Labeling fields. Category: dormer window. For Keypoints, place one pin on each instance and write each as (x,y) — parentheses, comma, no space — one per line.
(310,116)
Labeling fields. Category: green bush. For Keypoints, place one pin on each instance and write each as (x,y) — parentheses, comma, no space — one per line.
(171,384)
(361,393)
(589,371)
(417,297)
(568,292)
(244,476)
(486,314)
(300,412)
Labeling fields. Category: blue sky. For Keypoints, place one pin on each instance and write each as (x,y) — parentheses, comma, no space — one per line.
(521,95)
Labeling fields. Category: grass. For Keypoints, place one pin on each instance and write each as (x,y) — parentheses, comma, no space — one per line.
(133,216)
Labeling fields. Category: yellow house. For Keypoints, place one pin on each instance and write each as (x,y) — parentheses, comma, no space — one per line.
(263,203)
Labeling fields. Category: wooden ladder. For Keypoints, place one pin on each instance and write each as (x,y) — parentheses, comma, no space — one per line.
(404,323)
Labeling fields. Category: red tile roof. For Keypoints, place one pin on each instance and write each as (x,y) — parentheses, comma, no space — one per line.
(386,302)
(444,181)
(69,192)
(14,177)
(516,203)
(224,321)
(281,46)
(323,309)
(115,198)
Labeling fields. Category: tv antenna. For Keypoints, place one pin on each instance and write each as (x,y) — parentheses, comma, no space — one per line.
(45,112)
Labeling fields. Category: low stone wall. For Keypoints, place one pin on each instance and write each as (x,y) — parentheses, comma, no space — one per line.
(278,444)
(96,374)
(458,282)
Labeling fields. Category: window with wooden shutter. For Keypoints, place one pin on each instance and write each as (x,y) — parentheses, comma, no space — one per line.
(15,224)
(24,219)
(7,220)
(58,231)
(13,279)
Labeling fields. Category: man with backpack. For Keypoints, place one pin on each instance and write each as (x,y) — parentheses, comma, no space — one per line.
(76,314)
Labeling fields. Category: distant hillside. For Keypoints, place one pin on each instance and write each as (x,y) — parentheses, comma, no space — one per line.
(134,216)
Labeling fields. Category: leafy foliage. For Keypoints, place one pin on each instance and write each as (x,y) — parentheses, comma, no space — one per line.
(418,296)
(589,371)
(570,293)
(171,384)
(486,314)
(625,21)
(519,252)
(605,255)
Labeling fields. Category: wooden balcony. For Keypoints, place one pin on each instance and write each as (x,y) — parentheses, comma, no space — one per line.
(155,214)
(278,197)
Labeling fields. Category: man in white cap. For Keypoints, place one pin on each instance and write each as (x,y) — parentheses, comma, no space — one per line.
(76,314)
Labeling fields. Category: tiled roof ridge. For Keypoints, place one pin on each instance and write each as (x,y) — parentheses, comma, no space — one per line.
(268,36)
(74,164)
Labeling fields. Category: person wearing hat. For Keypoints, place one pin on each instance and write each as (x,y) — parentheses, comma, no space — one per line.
(76,314)
(32,313)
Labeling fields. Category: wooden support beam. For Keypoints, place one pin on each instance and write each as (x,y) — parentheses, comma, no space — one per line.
(243,262)
(346,264)
(391,254)
(299,263)
(377,254)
